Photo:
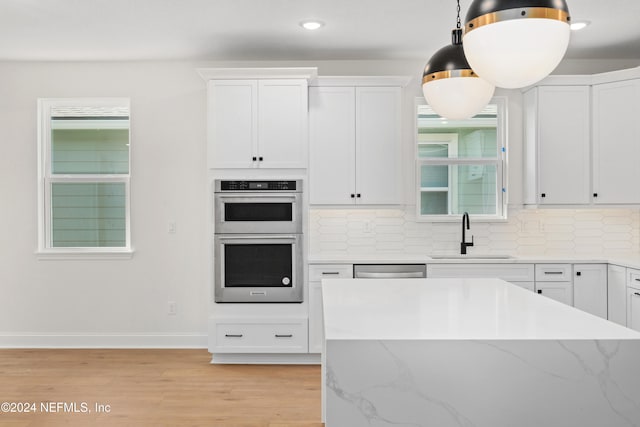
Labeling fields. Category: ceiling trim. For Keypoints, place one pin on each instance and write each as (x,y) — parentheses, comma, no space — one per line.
(401,81)
(307,73)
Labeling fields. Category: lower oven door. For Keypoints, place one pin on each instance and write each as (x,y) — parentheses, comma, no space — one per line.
(258,268)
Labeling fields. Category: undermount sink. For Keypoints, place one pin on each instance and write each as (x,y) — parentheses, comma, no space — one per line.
(471,256)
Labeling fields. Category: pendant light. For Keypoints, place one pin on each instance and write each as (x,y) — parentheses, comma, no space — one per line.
(515,43)
(449,84)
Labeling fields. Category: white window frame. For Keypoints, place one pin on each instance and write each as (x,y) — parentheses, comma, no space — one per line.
(500,162)
(46,178)
(451,141)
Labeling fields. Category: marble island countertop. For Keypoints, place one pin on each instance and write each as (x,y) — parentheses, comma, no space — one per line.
(471,352)
(422,309)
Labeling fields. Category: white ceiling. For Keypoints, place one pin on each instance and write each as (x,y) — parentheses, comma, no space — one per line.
(268,29)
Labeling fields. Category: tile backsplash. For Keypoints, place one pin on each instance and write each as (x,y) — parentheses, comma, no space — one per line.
(526,232)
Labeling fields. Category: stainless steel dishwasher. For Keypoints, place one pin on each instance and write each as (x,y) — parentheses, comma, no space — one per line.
(389,271)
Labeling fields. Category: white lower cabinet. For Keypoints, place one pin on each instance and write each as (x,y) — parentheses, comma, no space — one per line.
(530,286)
(318,272)
(633,299)
(617,294)
(559,291)
(633,308)
(554,281)
(590,288)
(259,335)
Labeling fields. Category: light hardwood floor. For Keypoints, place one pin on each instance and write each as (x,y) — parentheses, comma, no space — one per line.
(156,388)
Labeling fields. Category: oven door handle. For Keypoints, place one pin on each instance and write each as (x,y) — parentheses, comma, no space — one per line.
(257,197)
(383,275)
(259,236)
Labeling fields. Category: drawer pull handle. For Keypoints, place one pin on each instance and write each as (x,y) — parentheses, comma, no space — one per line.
(637,279)
(334,273)
(553,272)
(233,335)
(637,293)
(539,291)
(284,335)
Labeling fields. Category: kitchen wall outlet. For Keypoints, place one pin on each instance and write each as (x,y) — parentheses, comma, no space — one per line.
(171,227)
(173,308)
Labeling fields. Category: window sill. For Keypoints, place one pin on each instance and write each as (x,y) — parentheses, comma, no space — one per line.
(84,254)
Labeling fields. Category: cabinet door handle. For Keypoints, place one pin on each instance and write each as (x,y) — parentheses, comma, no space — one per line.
(595,194)
(553,272)
(637,279)
(330,273)
(539,291)
(578,273)
(284,335)
(260,158)
(254,158)
(358,195)
(637,293)
(233,335)
(543,195)
(353,196)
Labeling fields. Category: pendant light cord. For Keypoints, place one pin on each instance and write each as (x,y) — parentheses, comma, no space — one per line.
(456,35)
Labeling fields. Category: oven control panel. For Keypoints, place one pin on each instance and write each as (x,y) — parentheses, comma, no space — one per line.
(225,185)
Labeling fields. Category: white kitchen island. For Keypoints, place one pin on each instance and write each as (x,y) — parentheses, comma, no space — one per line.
(471,352)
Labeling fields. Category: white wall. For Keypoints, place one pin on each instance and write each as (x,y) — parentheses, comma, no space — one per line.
(124,302)
(109,302)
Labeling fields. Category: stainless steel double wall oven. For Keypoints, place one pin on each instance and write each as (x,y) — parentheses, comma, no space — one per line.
(258,241)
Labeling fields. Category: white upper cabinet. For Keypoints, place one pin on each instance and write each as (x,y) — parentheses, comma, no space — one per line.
(616,142)
(232,117)
(332,149)
(378,152)
(355,151)
(557,122)
(257,123)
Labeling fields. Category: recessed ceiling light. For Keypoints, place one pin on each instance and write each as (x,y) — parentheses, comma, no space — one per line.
(578,25)
(311,25)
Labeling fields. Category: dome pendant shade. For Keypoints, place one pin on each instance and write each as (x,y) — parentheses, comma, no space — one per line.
(515,43)
(451,87)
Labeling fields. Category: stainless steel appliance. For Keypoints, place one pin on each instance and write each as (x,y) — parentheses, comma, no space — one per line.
(258,207)
(258,241)
(389,271)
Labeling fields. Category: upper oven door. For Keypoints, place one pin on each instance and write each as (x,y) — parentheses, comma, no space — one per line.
(248,213)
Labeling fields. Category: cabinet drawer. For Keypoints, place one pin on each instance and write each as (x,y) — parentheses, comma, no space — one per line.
(633,278)
(318,272)
(554,273)
(507,272)
(260,336)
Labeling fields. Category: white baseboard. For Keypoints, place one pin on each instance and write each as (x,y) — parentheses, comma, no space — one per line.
(103,340)
(266,358)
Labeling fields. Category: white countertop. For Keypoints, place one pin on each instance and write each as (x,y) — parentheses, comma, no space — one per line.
(631,260)
(424,309)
